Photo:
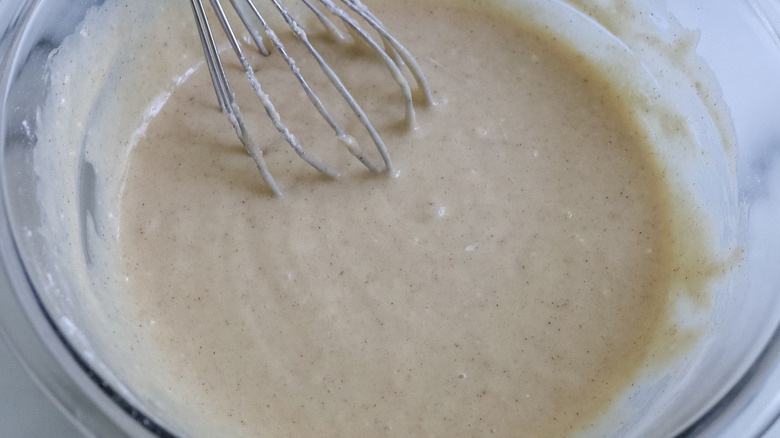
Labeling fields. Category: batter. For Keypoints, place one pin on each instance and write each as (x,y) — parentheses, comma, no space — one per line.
(509,281)
(513,279)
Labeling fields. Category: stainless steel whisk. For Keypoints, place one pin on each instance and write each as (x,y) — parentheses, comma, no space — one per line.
(392,54)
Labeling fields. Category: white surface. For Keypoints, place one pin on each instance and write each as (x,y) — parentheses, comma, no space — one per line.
(25,412)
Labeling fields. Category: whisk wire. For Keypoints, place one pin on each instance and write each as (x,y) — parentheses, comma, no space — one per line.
(219,81)
(253,32)
(398,76)
(264,98)
(397,47)
(326,22)
(225,95)
(349,141)
(393,55)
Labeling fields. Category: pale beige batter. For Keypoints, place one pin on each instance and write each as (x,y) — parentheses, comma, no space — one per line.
(508,281)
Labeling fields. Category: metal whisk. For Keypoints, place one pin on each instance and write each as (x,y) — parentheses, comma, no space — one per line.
(391,52)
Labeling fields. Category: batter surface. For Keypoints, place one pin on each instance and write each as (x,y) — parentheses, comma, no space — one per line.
(508,281)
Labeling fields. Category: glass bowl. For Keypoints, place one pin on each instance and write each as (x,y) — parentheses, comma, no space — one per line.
(728,385)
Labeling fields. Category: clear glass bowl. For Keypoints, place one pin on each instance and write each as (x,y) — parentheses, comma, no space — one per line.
(730,387)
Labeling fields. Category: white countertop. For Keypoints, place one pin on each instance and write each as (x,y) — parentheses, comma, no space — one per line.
(25,412)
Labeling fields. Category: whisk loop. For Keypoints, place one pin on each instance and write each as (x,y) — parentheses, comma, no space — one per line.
(392,53)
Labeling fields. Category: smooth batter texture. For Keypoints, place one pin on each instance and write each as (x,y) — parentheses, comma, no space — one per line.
(508,281)
(523,275)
